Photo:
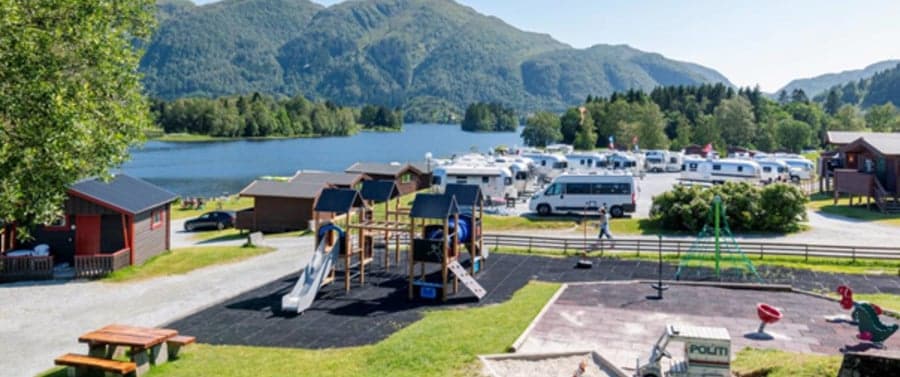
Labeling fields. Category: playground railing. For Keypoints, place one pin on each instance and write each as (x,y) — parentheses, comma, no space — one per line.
(683,245)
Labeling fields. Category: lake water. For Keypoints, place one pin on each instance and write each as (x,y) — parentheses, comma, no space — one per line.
(217,168)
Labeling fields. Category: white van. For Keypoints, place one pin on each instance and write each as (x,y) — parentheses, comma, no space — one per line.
(721,171)
(577,193)
(496,182)
(774,171)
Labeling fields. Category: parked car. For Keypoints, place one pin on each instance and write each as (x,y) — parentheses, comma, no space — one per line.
(211,220)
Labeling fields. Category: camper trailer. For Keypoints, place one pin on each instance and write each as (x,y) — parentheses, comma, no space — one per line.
(774,171)
(522,169)
(721,171)
(496,182)
(800,168)
(548,165)
(676,159)
(580,193)
(656,161)
(586,160)
(625,161)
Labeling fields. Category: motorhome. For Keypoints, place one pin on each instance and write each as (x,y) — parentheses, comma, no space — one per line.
(655,160)
(721,171)
(625,161)
(586,193)
(548,165)
(800,168)
(774,171)
(496,182)
(676,159)
(586,160)
(522,169)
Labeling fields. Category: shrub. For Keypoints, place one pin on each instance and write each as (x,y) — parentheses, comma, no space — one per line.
(774,208)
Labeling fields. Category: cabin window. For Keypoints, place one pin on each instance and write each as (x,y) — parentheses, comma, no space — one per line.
(767,169)
(60,223)
(717,167)
(156,218)
(406,178)
(578,188)
(554,189)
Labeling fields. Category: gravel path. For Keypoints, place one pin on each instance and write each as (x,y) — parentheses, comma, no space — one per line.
(41,320)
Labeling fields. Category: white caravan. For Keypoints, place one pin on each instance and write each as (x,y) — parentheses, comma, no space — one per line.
(522,169)
(801,168)
(496,182)
(548,165)
(577,193)
(559,148)
(586,160)
(676,159)
(626,162)
(774,171)
(721,171)
(657,161)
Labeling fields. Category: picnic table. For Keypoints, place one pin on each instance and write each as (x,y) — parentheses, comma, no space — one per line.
(147,345)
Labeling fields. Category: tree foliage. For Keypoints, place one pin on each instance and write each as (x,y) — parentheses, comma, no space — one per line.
(585,138)
(71,101)
(734,117)
(489,117)
(542,129)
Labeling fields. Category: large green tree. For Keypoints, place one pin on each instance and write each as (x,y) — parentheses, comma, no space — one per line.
(882,118)
(70,98)
(847,119)
(586,138)
(734,117)
(793,135)
(542,129)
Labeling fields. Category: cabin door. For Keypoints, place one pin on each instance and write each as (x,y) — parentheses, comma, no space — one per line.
(881,170)
(87,234)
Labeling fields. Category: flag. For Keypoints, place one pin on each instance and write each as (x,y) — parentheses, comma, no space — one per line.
(708,148)
(612,145)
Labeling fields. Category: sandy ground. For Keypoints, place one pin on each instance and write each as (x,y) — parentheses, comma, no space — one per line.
(41,320)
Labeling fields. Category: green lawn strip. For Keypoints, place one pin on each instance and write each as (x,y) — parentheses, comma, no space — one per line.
(231,203)
(828,265)
(825,204)
(181,261)
(228,234)
(751,362)
(180,137)
(443,343)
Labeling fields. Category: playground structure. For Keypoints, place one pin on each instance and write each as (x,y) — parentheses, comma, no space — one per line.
(386,230)
(443,230)
(725,251)
(768,315)
(319,271)
(346,206)
(865,317)
(470,201)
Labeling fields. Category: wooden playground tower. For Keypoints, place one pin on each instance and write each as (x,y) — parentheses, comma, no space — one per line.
(392,226)
(470,201)
(344,207)
(428,212)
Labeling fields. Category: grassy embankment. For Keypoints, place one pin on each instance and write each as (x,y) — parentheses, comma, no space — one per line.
(751,362)
(824,203)
(182,261)
(444,343)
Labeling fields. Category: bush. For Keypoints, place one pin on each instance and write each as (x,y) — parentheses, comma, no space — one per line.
(773,208)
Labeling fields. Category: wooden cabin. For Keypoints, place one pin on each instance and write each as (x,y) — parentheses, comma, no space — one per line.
(336,180)
(408,178)
(871,170)
(279,206)
(104,226)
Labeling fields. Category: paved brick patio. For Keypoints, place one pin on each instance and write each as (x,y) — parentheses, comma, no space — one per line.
(618,321)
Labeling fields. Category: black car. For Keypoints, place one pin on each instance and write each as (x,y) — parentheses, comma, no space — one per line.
(211,220)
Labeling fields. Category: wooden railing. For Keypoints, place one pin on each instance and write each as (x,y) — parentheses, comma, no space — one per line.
(572,246)
(25,268)
(94,266)
(880,195)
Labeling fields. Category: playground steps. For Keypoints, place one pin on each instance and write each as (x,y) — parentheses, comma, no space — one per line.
(467,279)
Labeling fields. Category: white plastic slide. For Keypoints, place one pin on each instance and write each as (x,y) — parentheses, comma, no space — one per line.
(307,286)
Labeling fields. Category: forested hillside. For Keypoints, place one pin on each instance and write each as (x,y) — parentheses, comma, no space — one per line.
(814,86)
(387,52)
(880,89)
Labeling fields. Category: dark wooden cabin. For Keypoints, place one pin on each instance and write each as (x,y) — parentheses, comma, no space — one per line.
(279,206)
(871,170)
(408,178)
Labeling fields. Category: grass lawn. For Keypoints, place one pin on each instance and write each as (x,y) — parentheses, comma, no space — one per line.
(829,265)
(231,203)
(825,204)
(179,137)
(627,226)
(772,363)
(444,343)
(181,261)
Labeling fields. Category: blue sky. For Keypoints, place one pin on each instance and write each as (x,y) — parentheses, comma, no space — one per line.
(765,42)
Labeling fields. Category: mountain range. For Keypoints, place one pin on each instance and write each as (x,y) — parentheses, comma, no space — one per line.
(814,86)
(387,52)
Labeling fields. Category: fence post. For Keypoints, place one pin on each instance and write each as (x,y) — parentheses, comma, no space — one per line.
(760,251)
(806,254)
(565,247)
(678,249)
(496,243)
(639,247)
(854,254)
(529,244)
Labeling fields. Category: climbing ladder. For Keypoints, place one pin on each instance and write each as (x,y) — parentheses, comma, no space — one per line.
(467,279)
(726,250)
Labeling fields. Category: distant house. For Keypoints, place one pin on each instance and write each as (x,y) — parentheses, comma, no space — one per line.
(126,215)
(336,180)
(407,177)
(871,169)
(695,149)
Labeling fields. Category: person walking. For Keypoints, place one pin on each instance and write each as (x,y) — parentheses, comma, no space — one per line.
(604,227)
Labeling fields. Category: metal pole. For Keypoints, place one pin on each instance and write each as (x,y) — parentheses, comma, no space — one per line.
(717,205)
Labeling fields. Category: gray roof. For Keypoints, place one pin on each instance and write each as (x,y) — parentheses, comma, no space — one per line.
(466,195)
(433,206)
(338,200)
(124,193)
(278,189)
(847,137)
(379,191)
(886,144)
(378,168)
(337,179)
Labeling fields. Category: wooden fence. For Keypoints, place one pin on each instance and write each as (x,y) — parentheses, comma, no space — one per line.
(93,266)
(681,245)
(26,268)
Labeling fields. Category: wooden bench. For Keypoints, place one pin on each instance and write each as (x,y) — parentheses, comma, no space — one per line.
(79,364)
(175,343)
